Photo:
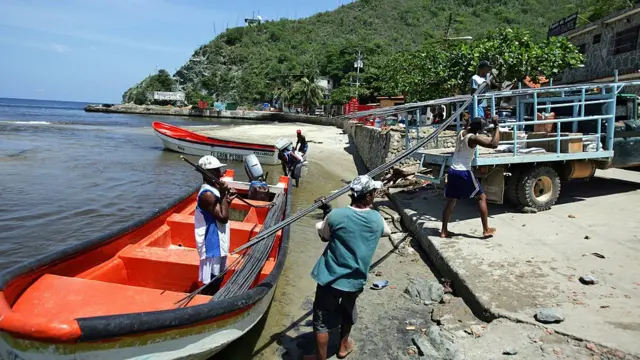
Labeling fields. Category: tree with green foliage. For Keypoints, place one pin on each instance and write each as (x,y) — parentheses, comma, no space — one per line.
(246,64)
(307,93)
(443,71)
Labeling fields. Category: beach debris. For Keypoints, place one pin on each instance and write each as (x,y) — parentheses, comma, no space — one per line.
(598,255)
(588,279)
(380,284)
(549,315)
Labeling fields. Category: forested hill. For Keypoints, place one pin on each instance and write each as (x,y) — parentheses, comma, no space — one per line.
(250,64)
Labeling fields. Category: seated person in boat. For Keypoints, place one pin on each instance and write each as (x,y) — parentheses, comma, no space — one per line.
(212,225)
(289,160)
(461,182)
(352,234)
(302,141)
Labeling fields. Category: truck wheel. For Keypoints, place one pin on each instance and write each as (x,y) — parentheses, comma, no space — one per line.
(539,187)
(511,188)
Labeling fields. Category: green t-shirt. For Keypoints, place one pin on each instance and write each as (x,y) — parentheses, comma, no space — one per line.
(353,236)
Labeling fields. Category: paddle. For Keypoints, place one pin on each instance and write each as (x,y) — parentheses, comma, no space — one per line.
(219,183)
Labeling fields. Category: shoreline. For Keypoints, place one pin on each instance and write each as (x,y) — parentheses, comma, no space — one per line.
(229,114)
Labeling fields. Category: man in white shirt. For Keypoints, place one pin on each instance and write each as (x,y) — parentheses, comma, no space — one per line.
(478,79)
(212,225)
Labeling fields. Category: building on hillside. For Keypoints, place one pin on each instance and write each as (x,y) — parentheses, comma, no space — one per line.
(326,84)
(388,101)
(608,44)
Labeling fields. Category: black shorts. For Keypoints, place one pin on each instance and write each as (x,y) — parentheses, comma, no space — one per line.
(333,307)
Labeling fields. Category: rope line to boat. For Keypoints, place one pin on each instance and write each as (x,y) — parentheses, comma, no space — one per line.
(242,279)
(377,171)
(217,181)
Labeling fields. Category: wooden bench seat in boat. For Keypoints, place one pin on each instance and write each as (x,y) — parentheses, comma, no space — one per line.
(60,297)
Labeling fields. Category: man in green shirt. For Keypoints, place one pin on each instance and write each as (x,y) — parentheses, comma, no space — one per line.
(352,234)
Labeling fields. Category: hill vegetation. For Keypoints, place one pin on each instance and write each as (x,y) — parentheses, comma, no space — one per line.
(274,60)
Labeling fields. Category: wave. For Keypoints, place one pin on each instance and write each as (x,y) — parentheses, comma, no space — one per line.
(29,122)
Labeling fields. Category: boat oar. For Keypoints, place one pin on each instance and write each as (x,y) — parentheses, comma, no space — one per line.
(217,181)
(379,170)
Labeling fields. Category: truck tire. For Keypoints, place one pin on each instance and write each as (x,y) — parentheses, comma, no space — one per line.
(539,187)
(511,186)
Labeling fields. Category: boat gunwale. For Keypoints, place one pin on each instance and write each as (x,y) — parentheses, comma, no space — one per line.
(243,145)
(112,326)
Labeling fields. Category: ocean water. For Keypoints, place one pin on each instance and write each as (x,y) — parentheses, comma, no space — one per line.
(67,175)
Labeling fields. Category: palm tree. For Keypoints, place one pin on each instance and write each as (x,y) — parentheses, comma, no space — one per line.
(308,93)
(281,95)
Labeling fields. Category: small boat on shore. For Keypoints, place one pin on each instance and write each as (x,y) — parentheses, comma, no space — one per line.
(121,296)
(187,142)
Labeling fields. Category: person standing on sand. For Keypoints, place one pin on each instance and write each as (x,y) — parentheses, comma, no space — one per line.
(302,141)
(461,182)
(212,225)
(352,234)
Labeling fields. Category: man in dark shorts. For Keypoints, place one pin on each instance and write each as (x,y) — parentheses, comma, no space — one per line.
(301,144)
(461,182)
(352,234)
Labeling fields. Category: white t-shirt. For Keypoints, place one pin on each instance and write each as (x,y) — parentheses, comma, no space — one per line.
(476,81)
(463,155)
(201,228)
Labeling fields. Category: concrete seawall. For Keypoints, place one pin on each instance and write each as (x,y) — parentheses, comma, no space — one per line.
(378,146)
(233,114)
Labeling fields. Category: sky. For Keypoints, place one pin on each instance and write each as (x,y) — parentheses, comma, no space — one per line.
(94,50)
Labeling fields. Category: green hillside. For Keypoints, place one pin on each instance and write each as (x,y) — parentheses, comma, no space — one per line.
(250,65)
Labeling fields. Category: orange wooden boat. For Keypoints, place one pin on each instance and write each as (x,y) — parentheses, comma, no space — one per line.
(115,297)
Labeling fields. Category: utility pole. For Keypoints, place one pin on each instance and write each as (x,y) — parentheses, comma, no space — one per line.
(446,34)
(358,64)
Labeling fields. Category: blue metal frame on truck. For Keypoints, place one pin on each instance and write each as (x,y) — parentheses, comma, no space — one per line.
(577,96)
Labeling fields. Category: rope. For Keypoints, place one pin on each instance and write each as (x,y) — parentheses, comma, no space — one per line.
(377,171)
(217,181)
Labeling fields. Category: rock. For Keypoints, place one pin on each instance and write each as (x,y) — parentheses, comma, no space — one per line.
(572,216)
(425,349)
(587,237)
(549,315)
(510,351)
(528,210)
(397,238)
(424,291)
(476,330)
(412,350)
(588,279)
(591,347)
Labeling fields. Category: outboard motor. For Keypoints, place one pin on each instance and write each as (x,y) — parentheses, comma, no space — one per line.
(258,188)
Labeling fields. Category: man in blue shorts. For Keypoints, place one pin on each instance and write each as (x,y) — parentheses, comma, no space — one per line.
(461,182)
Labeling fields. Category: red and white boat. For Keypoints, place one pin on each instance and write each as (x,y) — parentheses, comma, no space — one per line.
(187,142)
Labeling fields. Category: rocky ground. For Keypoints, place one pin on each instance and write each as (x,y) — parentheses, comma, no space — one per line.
(419,316)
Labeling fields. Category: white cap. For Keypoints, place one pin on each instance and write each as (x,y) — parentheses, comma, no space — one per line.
(364,184)
(209,162)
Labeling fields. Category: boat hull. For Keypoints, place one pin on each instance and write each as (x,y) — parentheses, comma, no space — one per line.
(199,342)
(38,299)
(223,152)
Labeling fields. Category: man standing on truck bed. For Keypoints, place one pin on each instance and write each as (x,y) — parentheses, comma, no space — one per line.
(478,79)
(461,182)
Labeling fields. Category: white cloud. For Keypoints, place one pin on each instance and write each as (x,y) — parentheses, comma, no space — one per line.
(59,48)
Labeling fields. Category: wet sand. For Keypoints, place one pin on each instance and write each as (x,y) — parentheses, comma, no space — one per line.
(329,161)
